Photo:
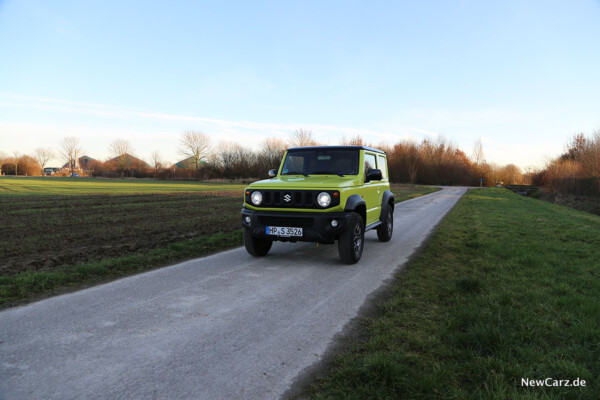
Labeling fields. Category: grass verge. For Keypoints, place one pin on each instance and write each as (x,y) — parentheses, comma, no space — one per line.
(25,286)
(404,192)
(508,288)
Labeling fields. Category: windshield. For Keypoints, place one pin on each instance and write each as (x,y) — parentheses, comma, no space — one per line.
(321,162)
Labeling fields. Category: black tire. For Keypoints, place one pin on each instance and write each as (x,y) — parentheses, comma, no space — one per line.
(255,246)
(386,229)
(352,241)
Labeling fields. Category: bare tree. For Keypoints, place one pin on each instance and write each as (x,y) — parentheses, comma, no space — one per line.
(354,141)
(121,151)
(246,160)
(3,159)
(271,152)
(511,174)
(412,158)
(575,148)
(228,158)
(195,146)
(42,155)
(70,150)
(157,162)
(301,138)
(16,161)
(478,157)
(590,156)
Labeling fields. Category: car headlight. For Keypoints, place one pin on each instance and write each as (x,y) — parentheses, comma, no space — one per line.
(323,199)
(256,198)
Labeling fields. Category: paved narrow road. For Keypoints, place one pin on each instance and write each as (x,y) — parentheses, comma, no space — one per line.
(227,326)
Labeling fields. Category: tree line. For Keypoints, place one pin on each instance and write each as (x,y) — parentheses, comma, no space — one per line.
(433,162)
(580,161)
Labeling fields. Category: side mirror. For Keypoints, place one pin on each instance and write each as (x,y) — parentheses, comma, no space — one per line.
(272,173)
(374,175)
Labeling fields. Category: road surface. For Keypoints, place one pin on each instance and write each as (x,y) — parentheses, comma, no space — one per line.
(227,326)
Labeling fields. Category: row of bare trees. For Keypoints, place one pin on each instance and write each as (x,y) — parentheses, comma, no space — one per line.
(33,165)
(428,162)
(439,162)
(231,160)
(25,164)
(581,160)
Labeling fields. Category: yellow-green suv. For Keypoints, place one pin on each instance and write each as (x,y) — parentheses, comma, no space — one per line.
(321,194)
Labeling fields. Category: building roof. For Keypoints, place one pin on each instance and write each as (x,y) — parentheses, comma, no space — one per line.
(129,160)
(85,160)
(188,163)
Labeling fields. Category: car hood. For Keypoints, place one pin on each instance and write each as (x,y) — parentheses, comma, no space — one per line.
(307,182)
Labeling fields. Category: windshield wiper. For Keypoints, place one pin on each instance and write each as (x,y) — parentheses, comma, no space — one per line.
(295,173)
(326,173)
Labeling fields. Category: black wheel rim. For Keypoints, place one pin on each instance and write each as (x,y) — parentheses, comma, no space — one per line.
(357,239)
(390,223)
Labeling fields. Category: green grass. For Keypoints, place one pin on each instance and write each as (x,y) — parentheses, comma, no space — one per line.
(19,186)
(508,288)
(404,192)
(25,286)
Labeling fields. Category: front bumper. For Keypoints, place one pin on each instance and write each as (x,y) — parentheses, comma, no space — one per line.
(316,227)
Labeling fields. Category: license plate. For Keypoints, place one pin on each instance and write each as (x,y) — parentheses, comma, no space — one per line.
(283,231)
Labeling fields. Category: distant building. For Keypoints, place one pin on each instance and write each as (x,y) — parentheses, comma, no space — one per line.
(127,165)
(67,167)
(129,161)
(86,163)
(189,162)
(83,164)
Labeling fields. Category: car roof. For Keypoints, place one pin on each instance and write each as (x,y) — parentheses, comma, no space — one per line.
(338,148)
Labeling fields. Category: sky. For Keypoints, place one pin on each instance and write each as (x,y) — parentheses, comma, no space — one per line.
(523,76)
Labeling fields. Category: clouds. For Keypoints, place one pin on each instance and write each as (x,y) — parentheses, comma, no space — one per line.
(29,122)
(99,123)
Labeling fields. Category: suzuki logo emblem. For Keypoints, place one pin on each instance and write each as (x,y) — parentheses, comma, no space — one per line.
(287,198)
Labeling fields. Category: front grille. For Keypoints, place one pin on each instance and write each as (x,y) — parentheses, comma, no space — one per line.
(293,198)
(294,222)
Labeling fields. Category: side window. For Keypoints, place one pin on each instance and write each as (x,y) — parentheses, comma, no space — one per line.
(370,163)
(382,166)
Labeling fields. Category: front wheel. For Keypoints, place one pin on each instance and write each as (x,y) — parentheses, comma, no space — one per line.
(352,240)
(385,230)
(256,247)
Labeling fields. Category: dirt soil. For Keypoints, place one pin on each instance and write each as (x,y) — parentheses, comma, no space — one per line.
(46,232)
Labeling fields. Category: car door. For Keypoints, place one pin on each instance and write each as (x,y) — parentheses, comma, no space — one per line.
(371,189)
(384,183)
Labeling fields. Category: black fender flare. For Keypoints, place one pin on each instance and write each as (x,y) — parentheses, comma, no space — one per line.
(387,201)
(356,202)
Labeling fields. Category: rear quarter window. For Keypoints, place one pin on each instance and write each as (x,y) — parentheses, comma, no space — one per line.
(382,165)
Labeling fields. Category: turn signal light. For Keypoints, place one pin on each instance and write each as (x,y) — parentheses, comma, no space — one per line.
(336,194)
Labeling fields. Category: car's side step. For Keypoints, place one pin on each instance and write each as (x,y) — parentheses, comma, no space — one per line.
(373,225)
